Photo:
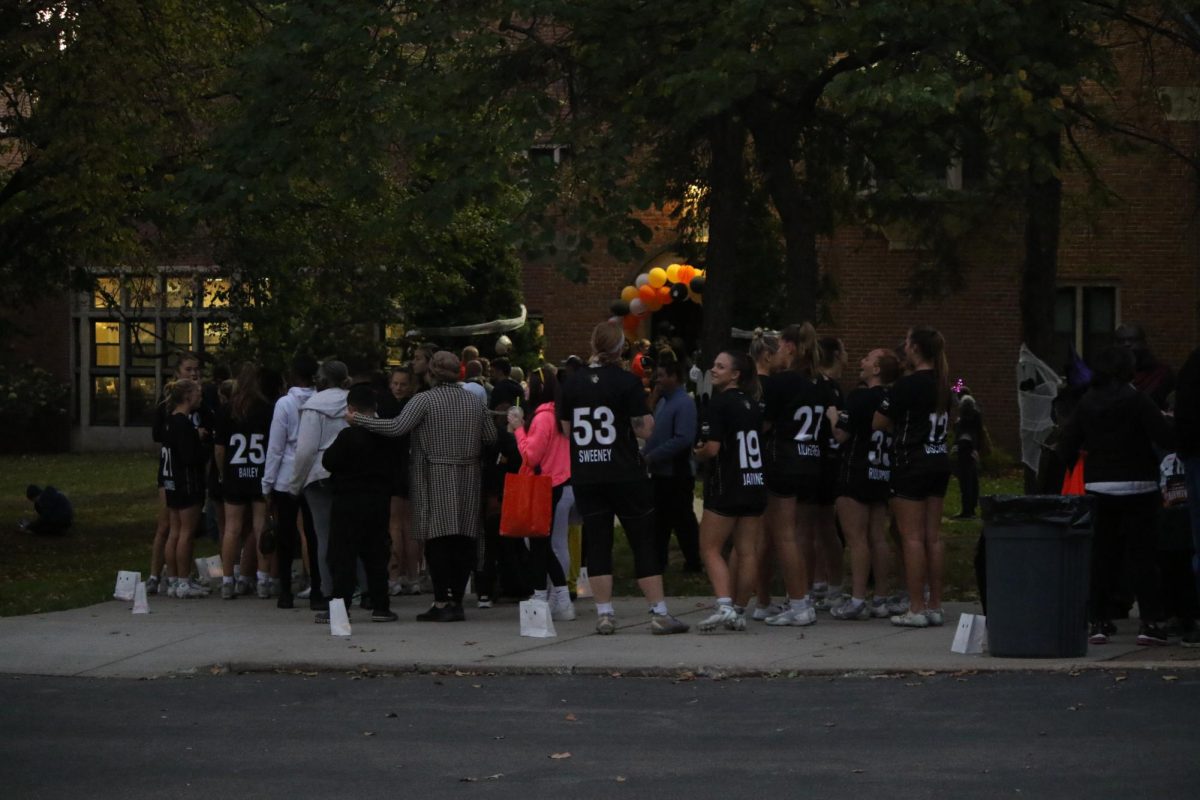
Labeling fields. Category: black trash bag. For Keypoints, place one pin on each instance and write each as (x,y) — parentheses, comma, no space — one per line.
(1073,511)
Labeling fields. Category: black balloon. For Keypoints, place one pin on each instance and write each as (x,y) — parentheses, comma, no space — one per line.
(619,308)
(678,292)
(697,285)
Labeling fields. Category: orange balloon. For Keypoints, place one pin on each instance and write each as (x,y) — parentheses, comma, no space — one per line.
(648,294)
(628,293)
(655,306)
(664,295)
(686,273)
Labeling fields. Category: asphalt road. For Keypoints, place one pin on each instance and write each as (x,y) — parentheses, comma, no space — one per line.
(1097,734)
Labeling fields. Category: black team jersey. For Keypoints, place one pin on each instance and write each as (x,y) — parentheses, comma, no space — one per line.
(795,407)
(918,428)
(866,455)
(245,443)
(598,403)
(182,457)
(735,477)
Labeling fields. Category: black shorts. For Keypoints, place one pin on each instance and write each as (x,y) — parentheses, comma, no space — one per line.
(722,510)
(180,500)
(919,485)
(804,488)
(869,493)
(626,500)
(236,495)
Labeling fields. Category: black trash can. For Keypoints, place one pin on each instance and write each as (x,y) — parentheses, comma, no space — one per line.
(1038,567)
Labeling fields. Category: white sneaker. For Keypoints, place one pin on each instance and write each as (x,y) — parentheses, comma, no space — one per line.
(798,617)
(562,612)
(200,586)
(304,595)
(244,586)
(911,619)
(186,591)
(720,615)
(263,590)
(395,587)
(724,616)
(830,601)
(761,613)
(936,617)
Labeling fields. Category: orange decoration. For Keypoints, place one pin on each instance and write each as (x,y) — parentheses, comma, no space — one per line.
(648,294)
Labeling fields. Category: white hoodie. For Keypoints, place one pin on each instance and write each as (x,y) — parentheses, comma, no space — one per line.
(281,444)
(321,419)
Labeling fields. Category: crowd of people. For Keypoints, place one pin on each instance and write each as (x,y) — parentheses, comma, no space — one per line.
(395,485)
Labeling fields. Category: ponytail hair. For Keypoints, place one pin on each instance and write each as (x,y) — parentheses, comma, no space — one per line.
(763,344)
(829,347)
(932,346)
(747,372)
(607,343)
(804,337)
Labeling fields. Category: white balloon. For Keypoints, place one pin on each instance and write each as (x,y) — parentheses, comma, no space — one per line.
(637,307)
(503,345)
(642,280)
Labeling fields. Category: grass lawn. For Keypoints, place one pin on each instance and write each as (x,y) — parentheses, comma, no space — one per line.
(116,504)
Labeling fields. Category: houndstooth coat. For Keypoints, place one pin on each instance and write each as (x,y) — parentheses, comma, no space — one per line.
(449,428)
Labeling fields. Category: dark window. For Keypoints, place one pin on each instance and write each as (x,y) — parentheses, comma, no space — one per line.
(106,400)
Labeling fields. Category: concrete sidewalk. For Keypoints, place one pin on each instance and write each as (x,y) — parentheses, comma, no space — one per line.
(184,636)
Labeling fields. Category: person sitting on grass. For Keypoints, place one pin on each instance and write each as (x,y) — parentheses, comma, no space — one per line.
(54,511)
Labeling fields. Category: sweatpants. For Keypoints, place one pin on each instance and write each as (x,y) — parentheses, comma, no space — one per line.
(1125,536)
(674,510)
(359,531)
(320,503)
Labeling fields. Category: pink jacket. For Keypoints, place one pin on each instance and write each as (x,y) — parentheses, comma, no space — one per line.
(544,445)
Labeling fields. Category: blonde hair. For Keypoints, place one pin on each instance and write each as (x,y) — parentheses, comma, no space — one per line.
(443,367)
(804,337)
(180,391)
(607,343)
(763,344)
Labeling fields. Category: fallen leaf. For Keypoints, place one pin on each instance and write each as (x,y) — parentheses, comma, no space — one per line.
(571,718)
(1120,678)
(926,673)
(559,756)
(468,644)
(858,771)
(476,685)
(460,673)
(391,715)
(614,674)
(1170,677)
(620,779)
(368,733)
(1074,673)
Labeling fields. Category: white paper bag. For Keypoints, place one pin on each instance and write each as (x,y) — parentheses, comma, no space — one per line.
(339,620)
(971,636)
(209,568)
(535,619)
(140,605)
(582,587)
(126,584)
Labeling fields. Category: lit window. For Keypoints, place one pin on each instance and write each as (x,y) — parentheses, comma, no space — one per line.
(216,293)
(180,292)
(140,401)
(143,345)
(107,293)
(106,344)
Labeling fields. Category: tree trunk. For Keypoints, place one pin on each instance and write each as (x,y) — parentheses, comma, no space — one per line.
(772,144)
(1039,274)
(726,214)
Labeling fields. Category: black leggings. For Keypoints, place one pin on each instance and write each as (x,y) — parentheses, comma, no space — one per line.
(287,540)
(633,503)
(968,476)
(543,563)
(451,560)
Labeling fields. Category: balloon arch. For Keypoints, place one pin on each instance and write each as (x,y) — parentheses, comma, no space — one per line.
(676,283)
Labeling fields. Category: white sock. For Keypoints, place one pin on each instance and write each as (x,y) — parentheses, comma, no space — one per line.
(724,601)
(798,603)
(540,594)
(659,608)
(227,579)
(561,594)
(604,608)
(820,587)
(263,576)
(858,601)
